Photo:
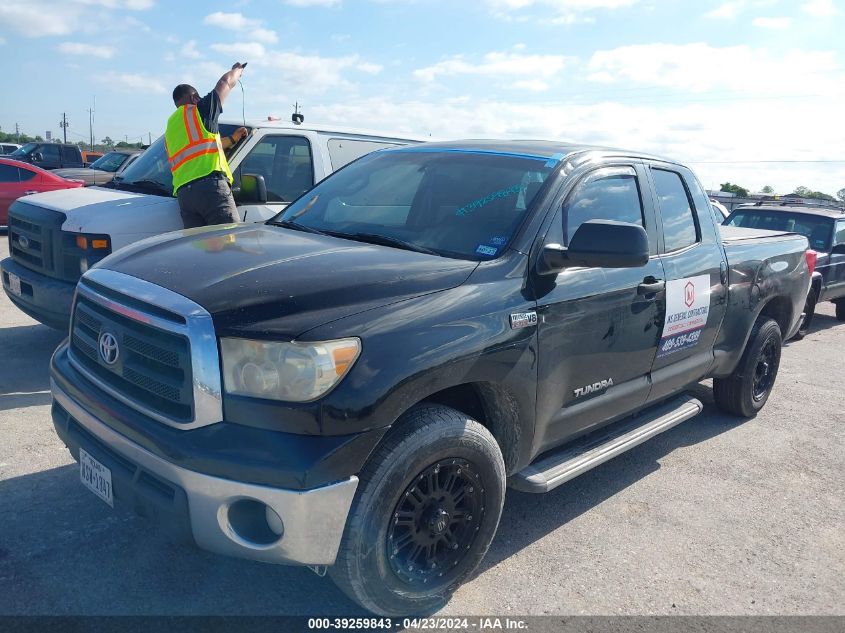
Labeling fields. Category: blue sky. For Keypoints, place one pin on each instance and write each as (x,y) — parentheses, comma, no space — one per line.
(731,87)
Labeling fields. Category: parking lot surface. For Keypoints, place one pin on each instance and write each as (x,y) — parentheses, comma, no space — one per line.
(716,516)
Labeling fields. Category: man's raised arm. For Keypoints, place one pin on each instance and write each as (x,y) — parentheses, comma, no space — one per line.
(228,81)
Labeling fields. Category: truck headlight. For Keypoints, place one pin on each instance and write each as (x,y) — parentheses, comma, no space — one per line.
(293,372)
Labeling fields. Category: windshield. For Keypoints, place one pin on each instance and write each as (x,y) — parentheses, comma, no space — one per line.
(151,170)
(110,162)
(815,228)
(466,205)
(26,150)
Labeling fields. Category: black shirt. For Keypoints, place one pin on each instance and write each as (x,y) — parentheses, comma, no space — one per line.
(209,108)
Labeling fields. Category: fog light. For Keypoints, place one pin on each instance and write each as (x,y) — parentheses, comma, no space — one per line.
(274,521)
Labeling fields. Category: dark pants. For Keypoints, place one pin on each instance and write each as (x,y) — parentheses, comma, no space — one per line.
(207,200)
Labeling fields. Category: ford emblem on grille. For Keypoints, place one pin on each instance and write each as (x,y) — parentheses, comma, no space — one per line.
(23,241)
(109,351)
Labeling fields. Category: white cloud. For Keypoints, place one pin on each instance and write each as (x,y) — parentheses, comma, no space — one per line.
(821,8)
(497,65)
(531,85)
(312,73)
(241,50)
(251,29)
(88,50)
(312,3)
(772,23)
(2,41)
(700,67)
(565,11)
(132,82)
(727,10)
(37,18)
(189,50)
(132,5)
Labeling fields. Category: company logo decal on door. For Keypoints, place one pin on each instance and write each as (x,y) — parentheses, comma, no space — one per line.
(687,306)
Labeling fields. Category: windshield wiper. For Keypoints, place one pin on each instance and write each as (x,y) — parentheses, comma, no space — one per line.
(143,184)
(384,240)
(296,226)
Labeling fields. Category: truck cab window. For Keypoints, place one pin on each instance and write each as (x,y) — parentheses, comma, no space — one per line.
(68,155)
(612,193)
(286,165)
(50,152)
(679,227)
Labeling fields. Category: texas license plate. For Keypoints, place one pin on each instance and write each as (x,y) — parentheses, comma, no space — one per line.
(96,477)
(15,284)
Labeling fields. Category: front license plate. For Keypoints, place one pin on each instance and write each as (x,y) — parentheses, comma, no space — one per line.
(15,284)
(96,477)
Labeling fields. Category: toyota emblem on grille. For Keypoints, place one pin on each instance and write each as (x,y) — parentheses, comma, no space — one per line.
(109,351)
(23,241)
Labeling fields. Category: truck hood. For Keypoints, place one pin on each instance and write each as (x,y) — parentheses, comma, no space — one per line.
(264,280)
(82,204)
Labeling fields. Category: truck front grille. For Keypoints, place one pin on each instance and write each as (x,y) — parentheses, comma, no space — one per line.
(152,366)
(31,244)
(148,347)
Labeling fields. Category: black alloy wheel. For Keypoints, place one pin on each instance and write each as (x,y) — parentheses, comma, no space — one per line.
(435,522)
(765,371)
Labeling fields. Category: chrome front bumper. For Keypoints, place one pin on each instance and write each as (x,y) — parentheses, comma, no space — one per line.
(312,520)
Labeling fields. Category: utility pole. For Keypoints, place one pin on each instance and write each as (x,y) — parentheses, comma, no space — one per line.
(63,124)
(17,132)
(91,122)
(149,138)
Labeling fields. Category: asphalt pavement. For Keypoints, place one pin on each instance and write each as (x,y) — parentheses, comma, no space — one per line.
(717,516)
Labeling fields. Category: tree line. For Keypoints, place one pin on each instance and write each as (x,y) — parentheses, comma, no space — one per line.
(103,146)
(804,192)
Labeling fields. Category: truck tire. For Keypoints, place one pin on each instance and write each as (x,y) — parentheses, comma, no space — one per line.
(426,510)
(746,390)
(840,309)
(809,313)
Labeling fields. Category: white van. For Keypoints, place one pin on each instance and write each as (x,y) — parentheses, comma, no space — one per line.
(55,237)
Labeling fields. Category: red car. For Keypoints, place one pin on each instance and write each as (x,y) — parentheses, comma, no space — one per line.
(21,179)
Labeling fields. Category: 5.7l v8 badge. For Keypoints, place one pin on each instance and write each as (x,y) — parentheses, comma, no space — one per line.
(523,319)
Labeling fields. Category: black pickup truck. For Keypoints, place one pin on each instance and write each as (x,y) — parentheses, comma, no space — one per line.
(353,385)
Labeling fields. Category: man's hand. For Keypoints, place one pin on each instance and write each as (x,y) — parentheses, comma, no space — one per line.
(237,65)
(238,134)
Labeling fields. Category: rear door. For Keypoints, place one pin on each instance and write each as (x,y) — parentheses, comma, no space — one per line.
(696,277)
(836,270)
(598,330)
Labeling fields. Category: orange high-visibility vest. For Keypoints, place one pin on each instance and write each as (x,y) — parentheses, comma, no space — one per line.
(193,151)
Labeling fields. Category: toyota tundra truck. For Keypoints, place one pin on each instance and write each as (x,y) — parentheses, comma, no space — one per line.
(55,237)
(353,385)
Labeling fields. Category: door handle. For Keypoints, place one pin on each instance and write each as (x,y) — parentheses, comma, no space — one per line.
(29,193)
(651,286)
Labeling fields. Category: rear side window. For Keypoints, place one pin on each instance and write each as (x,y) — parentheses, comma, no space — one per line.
(815,228)
(8,173)
(343,151)
(840,234)
(679,228)
(612,193)
(285,163)
(25,174)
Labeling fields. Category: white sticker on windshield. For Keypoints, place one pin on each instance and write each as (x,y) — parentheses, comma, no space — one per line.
(687,307)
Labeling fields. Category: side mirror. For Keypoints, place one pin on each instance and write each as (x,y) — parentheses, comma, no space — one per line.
(598,244)
(39,157)
(252,189)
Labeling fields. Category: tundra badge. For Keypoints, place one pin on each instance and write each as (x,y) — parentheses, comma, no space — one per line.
(596,386)
(523,319)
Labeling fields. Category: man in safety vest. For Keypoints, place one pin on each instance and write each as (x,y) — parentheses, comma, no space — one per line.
(201,176)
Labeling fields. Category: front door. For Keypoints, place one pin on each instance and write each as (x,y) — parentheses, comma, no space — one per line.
(285,162)
(598,328)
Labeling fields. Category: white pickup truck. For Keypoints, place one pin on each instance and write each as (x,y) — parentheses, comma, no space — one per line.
(55,237)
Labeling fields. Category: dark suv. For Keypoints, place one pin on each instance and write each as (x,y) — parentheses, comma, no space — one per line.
(824,227)
(49,155)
